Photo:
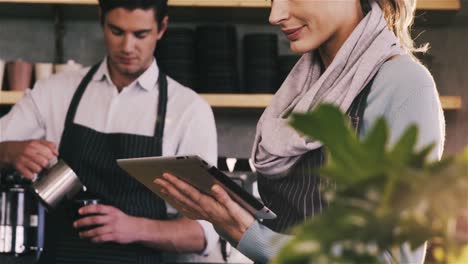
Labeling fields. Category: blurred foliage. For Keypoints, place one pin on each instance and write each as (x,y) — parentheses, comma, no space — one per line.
(384,196)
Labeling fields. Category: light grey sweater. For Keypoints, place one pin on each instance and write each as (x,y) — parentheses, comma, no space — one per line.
(404,93)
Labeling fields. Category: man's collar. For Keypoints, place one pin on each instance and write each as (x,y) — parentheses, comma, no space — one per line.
(147,79)
(102,72)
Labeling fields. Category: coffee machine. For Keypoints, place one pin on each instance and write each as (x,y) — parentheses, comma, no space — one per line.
(23,204)
(20,216)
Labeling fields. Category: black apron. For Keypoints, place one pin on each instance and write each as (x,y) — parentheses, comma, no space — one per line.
(92,155)
(297,196)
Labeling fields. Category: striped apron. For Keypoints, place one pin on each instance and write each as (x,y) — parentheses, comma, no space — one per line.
(297,196)
(92,155)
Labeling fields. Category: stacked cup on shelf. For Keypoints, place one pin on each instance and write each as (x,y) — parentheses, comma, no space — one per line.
(69,66)
(261,63)
(20,74)
(43,70)
(176,56)
(15,75)
(216,49)
(206,60)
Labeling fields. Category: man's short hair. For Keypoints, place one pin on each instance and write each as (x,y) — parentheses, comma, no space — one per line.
(159,7)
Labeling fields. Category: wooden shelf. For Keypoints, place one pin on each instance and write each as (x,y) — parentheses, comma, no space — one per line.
(220,3)
(236,100)
(64,2)
(205,3)
(421,4)
(451,102)
(215,100)
(9,97)
(444,5)
(262,100)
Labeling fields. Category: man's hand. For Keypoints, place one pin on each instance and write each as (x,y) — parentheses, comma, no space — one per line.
(28,157)
(114,225)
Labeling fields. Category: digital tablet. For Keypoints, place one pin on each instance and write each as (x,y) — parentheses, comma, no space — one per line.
(195,171)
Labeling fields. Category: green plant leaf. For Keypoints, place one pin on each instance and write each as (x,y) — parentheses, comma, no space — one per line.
(383,197)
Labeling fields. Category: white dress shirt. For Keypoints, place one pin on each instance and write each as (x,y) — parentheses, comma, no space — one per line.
(189,126)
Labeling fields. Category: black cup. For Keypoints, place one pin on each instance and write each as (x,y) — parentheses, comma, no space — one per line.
(76,205)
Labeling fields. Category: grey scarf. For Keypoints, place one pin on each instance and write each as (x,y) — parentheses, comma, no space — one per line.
(277,147)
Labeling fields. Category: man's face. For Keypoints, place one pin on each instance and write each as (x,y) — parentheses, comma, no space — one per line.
(131,37)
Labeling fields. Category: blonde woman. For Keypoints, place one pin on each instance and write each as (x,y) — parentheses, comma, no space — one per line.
(358,55)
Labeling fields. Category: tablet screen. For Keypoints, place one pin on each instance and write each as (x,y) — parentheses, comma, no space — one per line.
(195,171)
(230,184)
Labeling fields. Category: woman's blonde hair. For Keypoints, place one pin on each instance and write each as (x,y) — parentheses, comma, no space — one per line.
(400,17)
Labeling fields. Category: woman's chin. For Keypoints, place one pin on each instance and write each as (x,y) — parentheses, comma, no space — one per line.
(299,49)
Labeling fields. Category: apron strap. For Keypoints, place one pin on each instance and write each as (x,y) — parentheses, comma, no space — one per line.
(357,108)
(162,108)
(78,94)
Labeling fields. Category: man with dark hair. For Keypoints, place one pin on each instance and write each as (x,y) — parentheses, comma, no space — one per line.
(159,5)
(120,108)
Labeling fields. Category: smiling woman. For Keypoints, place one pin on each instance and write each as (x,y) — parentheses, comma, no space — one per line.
(357,55)
(313,24)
